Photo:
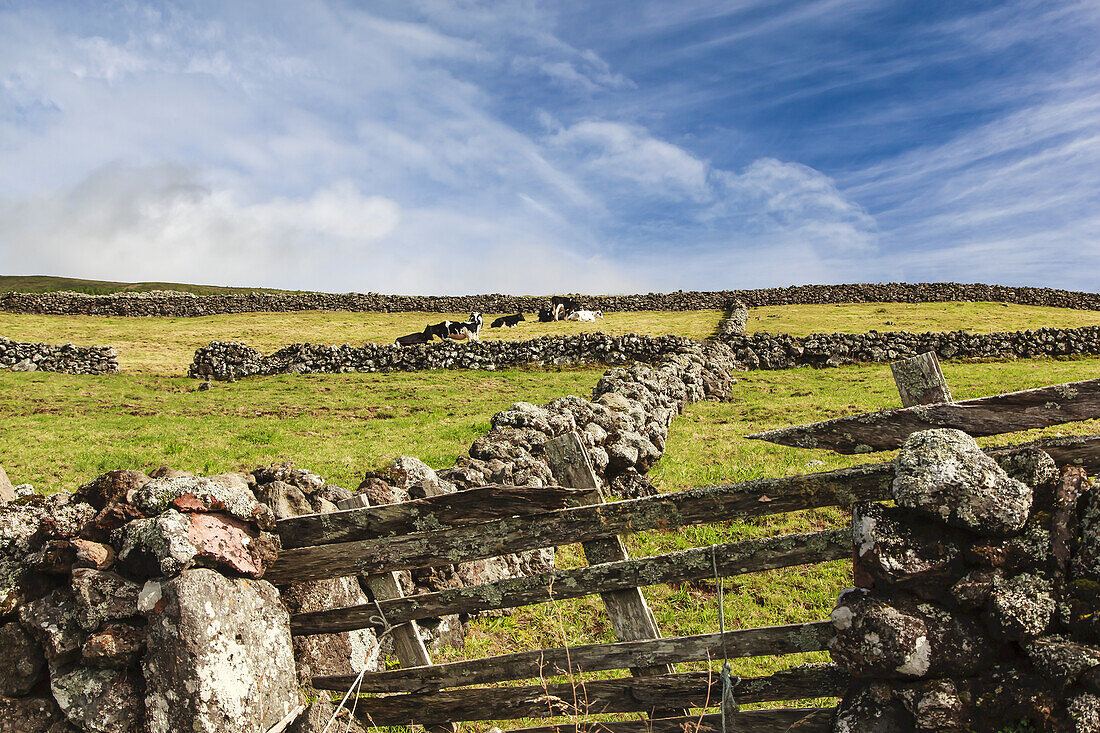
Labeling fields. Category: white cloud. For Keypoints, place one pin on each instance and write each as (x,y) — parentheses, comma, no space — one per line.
(162,223)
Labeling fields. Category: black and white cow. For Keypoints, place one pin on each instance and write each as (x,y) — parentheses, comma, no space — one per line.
(584,315)
(466,329)
(420,337)
(546,315)
(508,321)
(562,306)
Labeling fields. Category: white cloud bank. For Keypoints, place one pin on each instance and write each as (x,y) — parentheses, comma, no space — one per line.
(319,146)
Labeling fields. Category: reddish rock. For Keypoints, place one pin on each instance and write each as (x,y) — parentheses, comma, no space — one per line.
(224,542)
(91,554)
(895,549)
(116,646)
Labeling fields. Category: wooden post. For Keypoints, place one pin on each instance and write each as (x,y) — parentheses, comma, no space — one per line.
(920,381)
(407,644)
(629,613)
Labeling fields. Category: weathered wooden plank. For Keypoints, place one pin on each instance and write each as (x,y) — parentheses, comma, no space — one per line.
(408,647)
(1004,413)
(580,524)
(542,663)
(420,515)
(1074,450)
(920,380)
(735,558)
(774,720)
(628,695)
(626,608)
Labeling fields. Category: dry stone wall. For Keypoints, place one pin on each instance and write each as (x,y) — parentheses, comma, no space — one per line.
(783,351)
(138,604)
(26,357)
(177,304)
(976,596)
(223,361)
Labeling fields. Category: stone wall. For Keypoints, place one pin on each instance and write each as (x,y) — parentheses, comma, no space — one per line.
(783,351)
(176,304)
(138,604)
(69,359)
(223,361)
(976,596)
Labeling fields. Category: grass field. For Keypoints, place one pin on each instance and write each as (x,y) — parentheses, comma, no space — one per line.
(61,431)
(802,320)
(165,346)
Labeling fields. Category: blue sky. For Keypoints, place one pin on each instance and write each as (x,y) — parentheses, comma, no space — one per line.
(432,146)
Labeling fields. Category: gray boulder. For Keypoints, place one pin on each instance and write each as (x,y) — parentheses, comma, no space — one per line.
(898,638)
(21,659)
(103,596)
(219,656)
(98,700)
(31,715)
(197,494)
(1021,607)
(7,491)
(870,707)
(943,473)
(52,621)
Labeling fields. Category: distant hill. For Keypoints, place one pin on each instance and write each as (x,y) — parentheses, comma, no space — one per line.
(48,283)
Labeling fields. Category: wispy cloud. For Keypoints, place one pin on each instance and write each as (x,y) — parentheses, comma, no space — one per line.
(457,146)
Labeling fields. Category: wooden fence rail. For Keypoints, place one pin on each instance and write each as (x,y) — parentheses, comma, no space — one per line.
(1003,413)
(734,558)
(580,524)
(592,697)
(471,506)
(545,663)
(776,720)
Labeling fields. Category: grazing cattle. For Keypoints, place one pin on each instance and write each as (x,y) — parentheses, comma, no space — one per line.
(562,306)
(508,321)
(420,337)
(466,329)
(584,316)
(546,315)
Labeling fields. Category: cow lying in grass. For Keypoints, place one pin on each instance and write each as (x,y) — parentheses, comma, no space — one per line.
(508,321)
(584,316)
(420,337)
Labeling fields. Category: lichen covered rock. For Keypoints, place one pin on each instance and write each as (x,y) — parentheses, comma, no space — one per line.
(943,473)
(219,656)
(897,639)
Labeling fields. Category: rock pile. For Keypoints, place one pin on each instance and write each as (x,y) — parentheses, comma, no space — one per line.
(224,361)
(735,321)
(624,426)
(783,351)
(976,596)
(134,604)
(26,357)
(177,304)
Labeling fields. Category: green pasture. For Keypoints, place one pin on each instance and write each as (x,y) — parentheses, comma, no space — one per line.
(802,320)
(60,431)
(166,346)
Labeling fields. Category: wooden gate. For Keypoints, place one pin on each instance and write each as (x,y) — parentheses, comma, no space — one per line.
(496,520)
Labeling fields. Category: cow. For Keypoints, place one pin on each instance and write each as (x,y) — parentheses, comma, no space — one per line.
(466,329)
(508,321)
(584,316)
(546,315)
(562,306)
(420,337)
(438,329)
